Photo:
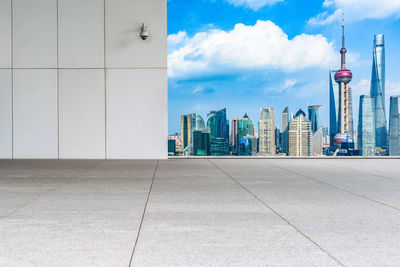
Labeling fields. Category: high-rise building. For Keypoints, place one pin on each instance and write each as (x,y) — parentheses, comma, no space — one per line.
(314,115)
(366,126)
(248,146)
(171,147)
(186,130)
(240,127)
(333,107)
(318,141)
(300,136)
(201,143)
(345,117)
(394,126)
(267,132)
(378,90)
(285,130)
(190,123)
(278,138)
(219,133)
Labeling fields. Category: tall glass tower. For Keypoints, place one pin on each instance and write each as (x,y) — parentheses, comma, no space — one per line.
(219,133)
(266,133)
(378,90)
(333,106)
(394,126)
(314,115)
(366,126)
(285,130)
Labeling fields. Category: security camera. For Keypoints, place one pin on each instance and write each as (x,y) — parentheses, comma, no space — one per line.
(143,32)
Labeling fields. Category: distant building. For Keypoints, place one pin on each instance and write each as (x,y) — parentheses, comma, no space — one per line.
(267,132)
(366,126)
(314,115)
(300,136)
(201,143)
(171,147)
(248,146)
(285,130)
(333,106)
(190,123)
(218,126)
(240,127)
(378,90)
(278,138)
(394,126)
(318,142)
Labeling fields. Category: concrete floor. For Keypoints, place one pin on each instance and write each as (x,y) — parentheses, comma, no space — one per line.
(216,212)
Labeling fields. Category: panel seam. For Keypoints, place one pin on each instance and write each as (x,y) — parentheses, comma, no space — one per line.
(275,212)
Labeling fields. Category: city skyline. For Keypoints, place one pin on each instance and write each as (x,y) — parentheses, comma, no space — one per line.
(243,88)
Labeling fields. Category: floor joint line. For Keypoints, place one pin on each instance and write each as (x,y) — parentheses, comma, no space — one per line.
(277,213)
(336,187)
(144,213)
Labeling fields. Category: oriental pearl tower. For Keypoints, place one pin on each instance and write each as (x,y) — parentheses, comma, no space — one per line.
(344,138)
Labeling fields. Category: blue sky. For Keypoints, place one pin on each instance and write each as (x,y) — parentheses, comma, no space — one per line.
(247,54)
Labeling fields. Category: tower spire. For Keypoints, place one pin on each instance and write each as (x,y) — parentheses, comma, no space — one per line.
(343,50)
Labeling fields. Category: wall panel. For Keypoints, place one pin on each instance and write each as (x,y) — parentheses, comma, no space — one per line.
(82,114)
(5,33)
(81,33)
(136,114)
(35,33)
(125,48)
(5,114)
(35,114)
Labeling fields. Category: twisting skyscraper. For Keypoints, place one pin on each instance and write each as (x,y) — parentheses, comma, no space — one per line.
(378,90)
(345,121)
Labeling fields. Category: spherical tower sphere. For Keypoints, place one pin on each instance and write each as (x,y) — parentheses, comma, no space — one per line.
(343,140)
(343,75)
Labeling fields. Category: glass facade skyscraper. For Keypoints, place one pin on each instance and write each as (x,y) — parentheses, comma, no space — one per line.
(241,127)
(314,115)
(219,133)
(333,106)
(366,126)
(201,143)
(267,132)
(394,126)
(189,123)
(285,130)
(300,136)
(378,90)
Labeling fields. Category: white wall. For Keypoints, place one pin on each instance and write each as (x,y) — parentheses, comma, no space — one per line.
(77,81)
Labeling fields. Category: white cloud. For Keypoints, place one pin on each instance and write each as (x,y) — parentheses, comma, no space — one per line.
(262,46)
(253,4)
(356,10)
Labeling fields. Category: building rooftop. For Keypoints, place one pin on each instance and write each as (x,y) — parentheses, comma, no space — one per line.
(211,212)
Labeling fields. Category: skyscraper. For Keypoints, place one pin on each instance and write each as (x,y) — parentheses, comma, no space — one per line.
(378,90)
(300,136)
(267,132)
(333,106)
(219,133)
(248,146)
(241,127)
(314,115)
(394,126)
(201,143)
(285,130)
(186,130)
(366,126)
(345,117)
(190,123)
